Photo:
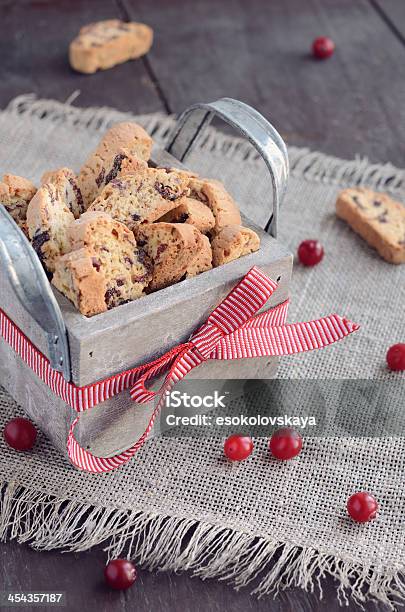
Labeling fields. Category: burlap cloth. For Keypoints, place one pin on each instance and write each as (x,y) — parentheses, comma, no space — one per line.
(177,505)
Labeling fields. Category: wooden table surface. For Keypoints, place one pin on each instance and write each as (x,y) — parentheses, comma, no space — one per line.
(257,51)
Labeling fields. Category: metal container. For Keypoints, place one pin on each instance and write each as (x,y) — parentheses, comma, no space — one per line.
(86,350)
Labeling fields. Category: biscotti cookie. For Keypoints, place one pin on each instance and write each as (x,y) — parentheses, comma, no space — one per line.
(81,282)
(203,257)
(172,248)
(214,195)
(105,44)
(142,197)
(118,152)
(67,185)
(116,245)
(378,219)
(16,193)
(193,212)
(122,270)
(48,219)
(233,242)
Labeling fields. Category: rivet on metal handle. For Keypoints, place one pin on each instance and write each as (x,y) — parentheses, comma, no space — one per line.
(33,290)
(250,124)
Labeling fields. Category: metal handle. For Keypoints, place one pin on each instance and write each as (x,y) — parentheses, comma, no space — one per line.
(252,125)
(33,290)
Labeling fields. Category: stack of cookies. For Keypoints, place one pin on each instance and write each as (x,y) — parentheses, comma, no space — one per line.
(121,228)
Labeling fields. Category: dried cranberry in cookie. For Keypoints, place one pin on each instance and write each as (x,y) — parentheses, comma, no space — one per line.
(214,195)
(176,251)
(193,212)
(104,44)
(67,185)
(123,148)
(16,193)
(233,242)
(48,219)
(377,218)
(142,197)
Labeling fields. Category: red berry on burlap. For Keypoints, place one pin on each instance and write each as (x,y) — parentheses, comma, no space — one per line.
(323,47)
(285,443)
(396,357)
(20,434)
(238,448)
(310,252)
(362,507)
(120,574)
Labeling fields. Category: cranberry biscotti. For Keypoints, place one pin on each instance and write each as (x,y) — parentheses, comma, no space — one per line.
(16,193)
(141,197)
(213,194)
(232,242)
(377,218)
(107,43)
(67,185)
(120,151)
(176,250)
(48,219)
(105,268)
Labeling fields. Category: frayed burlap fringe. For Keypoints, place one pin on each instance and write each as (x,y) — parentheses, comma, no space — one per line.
(304,163)
(182,544)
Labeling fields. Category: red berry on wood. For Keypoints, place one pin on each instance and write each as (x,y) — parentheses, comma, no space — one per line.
(323,47)
(285,443)
(362,507)
(396,357)
(20,434)
(310,252)
(120,574)
(238,448)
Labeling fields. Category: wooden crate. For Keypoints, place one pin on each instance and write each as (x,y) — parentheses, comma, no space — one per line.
(98,347)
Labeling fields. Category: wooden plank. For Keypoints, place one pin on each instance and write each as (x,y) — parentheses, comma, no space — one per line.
(34,51)
(259,52)
(393,13)
(80,576)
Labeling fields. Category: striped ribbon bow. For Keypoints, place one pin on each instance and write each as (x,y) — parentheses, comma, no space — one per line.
(234,330)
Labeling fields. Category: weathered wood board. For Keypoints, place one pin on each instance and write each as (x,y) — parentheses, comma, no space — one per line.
(259,52)
(34,57)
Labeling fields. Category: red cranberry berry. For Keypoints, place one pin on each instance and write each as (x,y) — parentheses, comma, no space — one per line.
(323,47)
(285,443)
(362,507)
(396,357)
(20,434)
(238,448)
(120,574)
(310,252)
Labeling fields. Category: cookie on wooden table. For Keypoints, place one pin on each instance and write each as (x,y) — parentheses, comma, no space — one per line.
(48,219)
(377,218)
(106,268)
(233,242)
(176,250)
(193,212)
(213,193)
(122,150)
(16,193)
(142,197)
(105,44)
(66,183)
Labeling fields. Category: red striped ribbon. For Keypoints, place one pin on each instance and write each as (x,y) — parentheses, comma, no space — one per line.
(234,330)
